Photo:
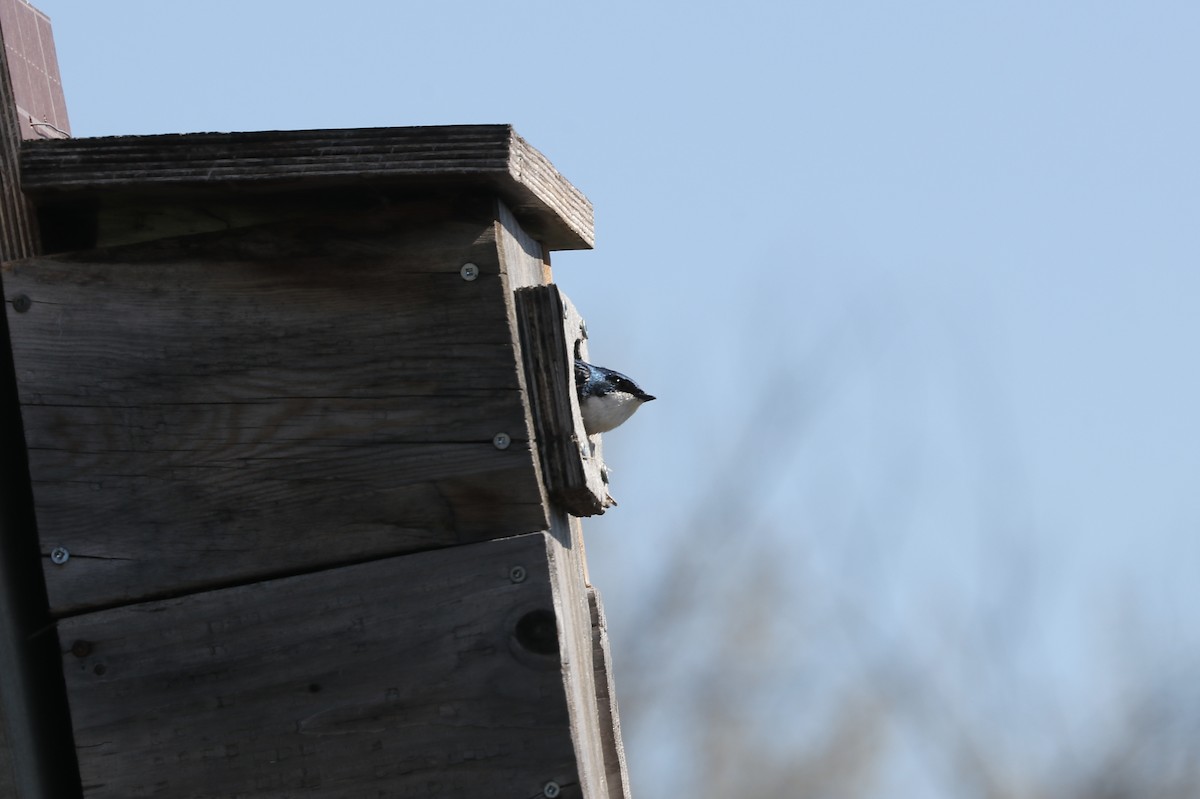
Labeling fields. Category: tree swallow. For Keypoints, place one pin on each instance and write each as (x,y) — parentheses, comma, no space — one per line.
(606,398)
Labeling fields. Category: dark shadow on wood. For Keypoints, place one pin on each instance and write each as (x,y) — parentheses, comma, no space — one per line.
(38,761)
(32,693)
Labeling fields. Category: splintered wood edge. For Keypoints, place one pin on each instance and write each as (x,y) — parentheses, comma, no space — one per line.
(591,448)
(616,771)
(551,330)
(573,611)
(439,156)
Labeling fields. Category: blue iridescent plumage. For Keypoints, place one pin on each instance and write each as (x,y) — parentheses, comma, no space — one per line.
(606,398)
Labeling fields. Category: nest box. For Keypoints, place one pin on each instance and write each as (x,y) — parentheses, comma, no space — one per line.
(306,463)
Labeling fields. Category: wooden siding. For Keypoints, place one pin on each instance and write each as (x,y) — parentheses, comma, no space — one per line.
(487,159)
(436,674)
(212,409)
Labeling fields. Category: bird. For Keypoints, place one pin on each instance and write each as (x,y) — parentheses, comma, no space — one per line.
(606,398)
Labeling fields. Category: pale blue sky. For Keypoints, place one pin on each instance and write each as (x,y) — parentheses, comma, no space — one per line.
(921,281)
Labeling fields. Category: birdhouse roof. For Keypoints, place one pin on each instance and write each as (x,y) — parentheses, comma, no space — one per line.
(406,159)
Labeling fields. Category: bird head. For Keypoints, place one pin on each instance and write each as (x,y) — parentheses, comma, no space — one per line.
(606,397)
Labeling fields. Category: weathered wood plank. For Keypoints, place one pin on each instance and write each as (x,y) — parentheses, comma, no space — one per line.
(615,770)
(526,264)
(435,674)
(8,769)
(217,408)
(525,260)
(491,158)
(552,335)
(36,755)
(572,607)
(17,240)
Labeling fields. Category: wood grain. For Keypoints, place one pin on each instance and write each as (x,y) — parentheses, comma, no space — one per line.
(488,159)
(17,240)
(525,260)
(8,766)
(616,772)
(573,611)
(526,265)
(36,756)
(405,677)
(218,408)
(552,337)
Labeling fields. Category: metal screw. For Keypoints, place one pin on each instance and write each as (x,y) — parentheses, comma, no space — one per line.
(81,649)
(22,303)
(551,789)
(501,440)
(517,574)
(469,271)
(60,555)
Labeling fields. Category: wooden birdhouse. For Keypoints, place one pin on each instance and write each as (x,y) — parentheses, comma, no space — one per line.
(302,466)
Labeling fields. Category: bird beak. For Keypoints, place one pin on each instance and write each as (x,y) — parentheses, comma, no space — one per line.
(647,397)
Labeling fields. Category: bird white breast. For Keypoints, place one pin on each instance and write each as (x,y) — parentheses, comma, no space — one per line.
(601,414)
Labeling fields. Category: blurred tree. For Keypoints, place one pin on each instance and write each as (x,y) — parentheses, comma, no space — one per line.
(763,675)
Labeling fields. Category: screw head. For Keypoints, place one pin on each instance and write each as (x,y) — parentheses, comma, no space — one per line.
(469,271)
(21,303)
(551,790)
(501,440)
(517,574)
(59,555)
